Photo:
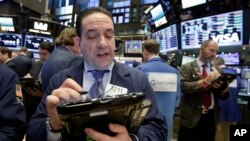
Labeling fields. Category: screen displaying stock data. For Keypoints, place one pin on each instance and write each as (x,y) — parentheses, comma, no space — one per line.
(225,29)
(11,40)
(167,38)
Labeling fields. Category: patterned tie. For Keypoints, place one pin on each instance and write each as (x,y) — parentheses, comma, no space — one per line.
(97,88)
(206,98)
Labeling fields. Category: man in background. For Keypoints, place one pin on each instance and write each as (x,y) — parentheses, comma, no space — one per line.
(65,55)
(164,79)
(197,118)
(229,109)
(32,96)
(5,55)
(12,113)
(21,64)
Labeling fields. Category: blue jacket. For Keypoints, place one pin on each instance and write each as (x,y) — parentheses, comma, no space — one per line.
(12,114)
(153,127)
(167,101)
(229,108)
(61,58)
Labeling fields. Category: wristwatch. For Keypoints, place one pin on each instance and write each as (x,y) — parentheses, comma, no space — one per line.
(50,128)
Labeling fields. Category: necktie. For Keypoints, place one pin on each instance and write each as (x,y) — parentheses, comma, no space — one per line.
(206,97)
(97,88)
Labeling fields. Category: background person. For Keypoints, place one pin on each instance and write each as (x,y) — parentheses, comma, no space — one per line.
(5,55)
(32,96)
(20,64)
(12,114)
(95,29)
(229,109)
(197,118)
(167,96)
(65,55)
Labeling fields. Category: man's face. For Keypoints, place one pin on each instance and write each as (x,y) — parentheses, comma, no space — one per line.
(97,40)
(210,51)
(44,54)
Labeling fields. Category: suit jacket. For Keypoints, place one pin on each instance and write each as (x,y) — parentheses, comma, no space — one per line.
(61,58)
(12,115)
(20,64)
(153,127)
(191,102)
(166,101)
(35,69)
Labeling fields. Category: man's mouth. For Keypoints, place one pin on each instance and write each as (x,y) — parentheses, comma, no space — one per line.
(102,54)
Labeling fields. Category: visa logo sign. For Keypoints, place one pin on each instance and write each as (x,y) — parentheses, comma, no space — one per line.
(226,38)
(40,26)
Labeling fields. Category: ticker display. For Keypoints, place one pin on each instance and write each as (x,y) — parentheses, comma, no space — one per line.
(167,38)
(225,29)
(10,40)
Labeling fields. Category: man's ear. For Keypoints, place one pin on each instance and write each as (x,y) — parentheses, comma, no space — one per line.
(77,41)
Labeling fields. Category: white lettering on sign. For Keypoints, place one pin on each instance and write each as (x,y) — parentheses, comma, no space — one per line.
(161,21)
(240,132)
(163,82)
(194,28)
(7,28)
(9,42)
(226,38)
(40,26)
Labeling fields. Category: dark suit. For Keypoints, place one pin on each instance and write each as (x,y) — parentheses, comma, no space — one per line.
(20,64)
(35,69)
(191,105)
(12,115)
(153,128)
(61,58)
(31,102)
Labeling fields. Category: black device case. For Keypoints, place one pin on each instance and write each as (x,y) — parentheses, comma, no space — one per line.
(128,109)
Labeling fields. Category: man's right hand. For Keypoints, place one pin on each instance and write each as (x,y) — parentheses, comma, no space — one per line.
(68,92)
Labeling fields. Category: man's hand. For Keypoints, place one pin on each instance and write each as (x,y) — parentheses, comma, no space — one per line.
(120,130)
(34,92)
(68,92)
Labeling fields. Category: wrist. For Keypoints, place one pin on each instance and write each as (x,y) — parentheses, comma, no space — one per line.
(50,128)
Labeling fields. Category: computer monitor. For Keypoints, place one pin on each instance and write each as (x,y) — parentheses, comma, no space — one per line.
(32,42)
(11,40)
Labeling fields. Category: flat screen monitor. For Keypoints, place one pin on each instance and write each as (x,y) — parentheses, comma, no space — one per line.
(7,24)
(230,58)
(191,3)
(11,40)
(133,46)
(245,73)
(157,15)
(225,29)
(187,59)
(32,42)
(167,38)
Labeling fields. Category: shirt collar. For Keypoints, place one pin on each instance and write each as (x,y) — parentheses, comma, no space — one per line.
(201,63)
(88,67)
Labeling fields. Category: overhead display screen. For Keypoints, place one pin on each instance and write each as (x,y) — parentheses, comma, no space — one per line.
(10,40)
(6,24)
(32,42)
(167,38)
(230,58)
(157,15)
(225,29)
(133,46)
